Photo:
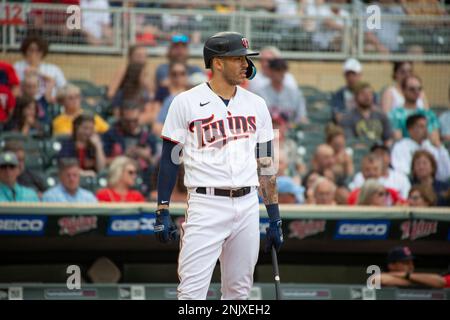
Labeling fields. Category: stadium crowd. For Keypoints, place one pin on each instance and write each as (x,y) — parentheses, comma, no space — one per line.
(376,148)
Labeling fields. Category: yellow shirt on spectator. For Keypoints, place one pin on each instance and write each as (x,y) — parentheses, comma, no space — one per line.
(62,124)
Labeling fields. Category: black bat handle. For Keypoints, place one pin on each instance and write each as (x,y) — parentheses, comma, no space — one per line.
(276,274)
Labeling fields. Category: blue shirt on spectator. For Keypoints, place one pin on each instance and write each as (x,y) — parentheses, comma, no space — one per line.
(17,194)
(59,194)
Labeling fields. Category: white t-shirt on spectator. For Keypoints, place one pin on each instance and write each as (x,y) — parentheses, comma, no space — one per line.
(260,80)
(48,69)
(395,180)
(403,152)
(93,21)
(323,36)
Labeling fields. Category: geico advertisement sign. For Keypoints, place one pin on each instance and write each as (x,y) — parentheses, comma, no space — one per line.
(362,229)
(22,224)
(131,225)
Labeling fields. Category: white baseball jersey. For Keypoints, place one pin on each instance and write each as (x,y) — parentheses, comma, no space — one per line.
(218,141)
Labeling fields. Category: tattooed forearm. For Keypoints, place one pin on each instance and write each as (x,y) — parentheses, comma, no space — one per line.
(267,180)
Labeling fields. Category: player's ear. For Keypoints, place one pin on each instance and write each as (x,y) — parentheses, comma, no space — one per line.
(217,64)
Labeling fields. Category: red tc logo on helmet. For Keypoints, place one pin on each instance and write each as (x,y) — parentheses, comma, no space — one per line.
(245,43)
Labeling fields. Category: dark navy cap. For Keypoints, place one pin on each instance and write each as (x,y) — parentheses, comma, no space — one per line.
(399,254)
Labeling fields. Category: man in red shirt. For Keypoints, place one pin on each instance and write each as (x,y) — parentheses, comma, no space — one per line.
(9,89)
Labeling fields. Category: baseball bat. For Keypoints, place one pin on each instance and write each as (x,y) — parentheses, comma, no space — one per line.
(276,274)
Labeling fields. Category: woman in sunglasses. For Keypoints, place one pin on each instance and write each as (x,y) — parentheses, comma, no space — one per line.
(121,179)
(421,196)
(373,193)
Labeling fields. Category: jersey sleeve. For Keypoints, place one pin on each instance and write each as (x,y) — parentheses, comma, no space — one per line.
(265,130)
(175,125)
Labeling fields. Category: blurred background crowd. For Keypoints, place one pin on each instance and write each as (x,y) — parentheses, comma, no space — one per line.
(71,140)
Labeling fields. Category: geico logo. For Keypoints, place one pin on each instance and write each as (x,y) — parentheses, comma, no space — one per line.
(132,225)
(364,229)
(21,225)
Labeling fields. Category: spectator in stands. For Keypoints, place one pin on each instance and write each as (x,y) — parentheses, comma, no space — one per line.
(372,193)
(282,98)
(27,178)
(393,96)
(121,179)
(412,88)
(289,191)
(423,171)
(343,100)
(10,190)
(384,39)
(421,196)
(261,78)
(84,145)
(8,90)
(308,182)
(136,54)
(444,121)
(178,82)
(371,167)
(25,118)
(323,161)
(178,51)
(400,263)
(9,78)
(135,87)
(34,49)
(30,88)
(364,121)
(290,163)
(403,150)
(390,178)
(324,191)
(329,30)
(127,137)
(70,97)
(68,189)
(335,138)
(96,24)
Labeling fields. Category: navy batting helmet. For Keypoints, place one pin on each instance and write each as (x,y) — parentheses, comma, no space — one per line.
(229,44)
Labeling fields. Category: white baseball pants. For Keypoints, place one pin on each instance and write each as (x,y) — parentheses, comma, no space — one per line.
(223,228)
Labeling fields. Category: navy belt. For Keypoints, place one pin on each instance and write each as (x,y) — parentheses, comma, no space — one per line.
(232,193)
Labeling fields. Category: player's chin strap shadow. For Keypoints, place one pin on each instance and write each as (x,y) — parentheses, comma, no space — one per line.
(251,70)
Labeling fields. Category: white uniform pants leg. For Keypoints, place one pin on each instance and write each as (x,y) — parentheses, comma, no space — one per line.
(216,227)
(240,250)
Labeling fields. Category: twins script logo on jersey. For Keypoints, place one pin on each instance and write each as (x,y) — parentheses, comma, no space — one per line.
(212,133)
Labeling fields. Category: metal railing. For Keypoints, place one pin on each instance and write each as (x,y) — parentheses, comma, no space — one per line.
(298,36)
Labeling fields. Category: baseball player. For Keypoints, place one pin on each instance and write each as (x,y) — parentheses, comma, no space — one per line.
(224,133)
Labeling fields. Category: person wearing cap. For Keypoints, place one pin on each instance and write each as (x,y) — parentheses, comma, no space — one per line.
(280,97)
(261,79)
(342,100)
(364,121)
(400,265)
(178,51)
(390,178)
(288,191)
(10,190)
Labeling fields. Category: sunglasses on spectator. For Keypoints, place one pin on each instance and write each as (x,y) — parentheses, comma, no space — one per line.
(417,89)
(415,197)
(177,73)
(132,172)
(7,166)
(131,120)
(382,193)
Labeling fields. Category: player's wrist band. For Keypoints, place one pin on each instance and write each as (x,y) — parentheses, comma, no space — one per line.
(273,211)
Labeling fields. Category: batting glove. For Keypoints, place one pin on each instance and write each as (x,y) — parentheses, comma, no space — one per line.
(274,236)
(164,227)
